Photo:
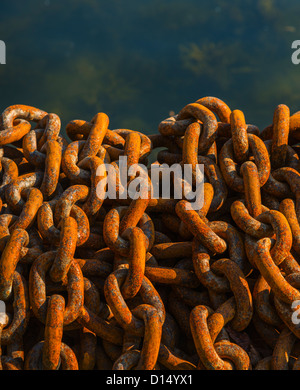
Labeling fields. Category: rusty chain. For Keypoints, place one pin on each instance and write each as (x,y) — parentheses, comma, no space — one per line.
(91,283)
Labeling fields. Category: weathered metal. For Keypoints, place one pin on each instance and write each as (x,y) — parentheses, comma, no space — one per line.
(93,283)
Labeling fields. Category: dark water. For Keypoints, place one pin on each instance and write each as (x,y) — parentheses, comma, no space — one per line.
(138,60)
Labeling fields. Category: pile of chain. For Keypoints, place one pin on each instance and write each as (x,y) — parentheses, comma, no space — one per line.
(93,283)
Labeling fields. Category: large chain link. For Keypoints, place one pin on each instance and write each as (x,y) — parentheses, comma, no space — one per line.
(149,283)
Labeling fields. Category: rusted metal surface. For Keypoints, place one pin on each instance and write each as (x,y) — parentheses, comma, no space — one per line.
(92,283)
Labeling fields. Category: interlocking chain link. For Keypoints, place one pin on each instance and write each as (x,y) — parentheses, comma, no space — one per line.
(94,283)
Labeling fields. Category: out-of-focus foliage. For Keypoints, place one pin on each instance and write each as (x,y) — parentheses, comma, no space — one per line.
(138,60)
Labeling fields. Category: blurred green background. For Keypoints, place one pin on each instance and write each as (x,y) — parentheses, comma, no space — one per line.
(141,59)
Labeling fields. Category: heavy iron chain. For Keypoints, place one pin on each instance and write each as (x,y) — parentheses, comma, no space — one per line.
(94,283)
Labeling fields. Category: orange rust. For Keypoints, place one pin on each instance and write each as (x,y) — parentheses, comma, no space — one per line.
(149,283)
